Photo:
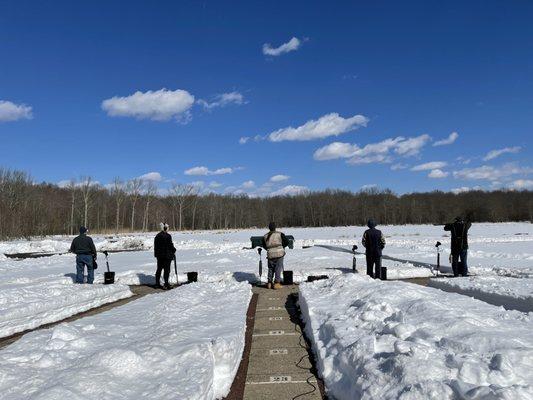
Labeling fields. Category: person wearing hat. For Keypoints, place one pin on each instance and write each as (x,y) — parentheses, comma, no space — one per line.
(459,229)
(164,252)
(274,242)
(374,243)
(83,247)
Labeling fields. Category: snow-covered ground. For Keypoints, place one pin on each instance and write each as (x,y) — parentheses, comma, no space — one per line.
(395,340)
(183,344)
(512,293)
(496,249)
(27,306)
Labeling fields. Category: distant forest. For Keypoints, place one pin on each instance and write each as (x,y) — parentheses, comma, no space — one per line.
(30,209)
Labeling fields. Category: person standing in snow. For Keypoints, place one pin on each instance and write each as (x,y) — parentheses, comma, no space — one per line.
(374,242)
(83,247)
(459,229)
(274,242)
(164,251)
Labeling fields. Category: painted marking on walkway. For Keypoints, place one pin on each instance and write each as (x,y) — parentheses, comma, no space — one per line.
(276,380)
(275,333)
(276,308)
(275,318)
(275,352)
(274,298)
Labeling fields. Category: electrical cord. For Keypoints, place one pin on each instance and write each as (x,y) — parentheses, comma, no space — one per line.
(304,346)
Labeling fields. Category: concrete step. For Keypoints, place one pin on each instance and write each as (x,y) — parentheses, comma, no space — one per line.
(278,361)
(281,387)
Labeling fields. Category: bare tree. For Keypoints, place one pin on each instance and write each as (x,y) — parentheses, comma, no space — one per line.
(181,195)
(118,193)
(86,187)
(134,188)
(149,193)
(72,189)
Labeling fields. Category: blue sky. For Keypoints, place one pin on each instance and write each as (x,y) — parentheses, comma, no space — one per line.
(209,91)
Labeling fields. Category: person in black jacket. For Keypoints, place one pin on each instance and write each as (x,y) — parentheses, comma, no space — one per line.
(459,229)
(164,251)
(83,247)
(374,242)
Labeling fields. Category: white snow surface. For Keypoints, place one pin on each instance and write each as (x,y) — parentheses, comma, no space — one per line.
(396,340)
(495,249)
(28,306)
(511,293)
(183,344)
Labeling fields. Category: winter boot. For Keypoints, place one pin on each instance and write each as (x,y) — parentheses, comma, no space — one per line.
(278,285)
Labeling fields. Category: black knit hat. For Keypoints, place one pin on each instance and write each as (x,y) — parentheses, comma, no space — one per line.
(272,226)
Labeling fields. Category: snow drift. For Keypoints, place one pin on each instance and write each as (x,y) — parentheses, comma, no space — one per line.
(511,293)
(395,340)
(25,307)
(183,344)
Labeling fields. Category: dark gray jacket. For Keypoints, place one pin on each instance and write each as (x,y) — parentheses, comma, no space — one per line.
(459,230)
(83,244)
(373,241)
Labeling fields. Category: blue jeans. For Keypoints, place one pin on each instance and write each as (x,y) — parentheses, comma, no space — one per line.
(83,260)
(460,268)
(275,268)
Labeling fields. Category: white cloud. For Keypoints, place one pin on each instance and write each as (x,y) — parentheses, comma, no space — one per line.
(159,105)
(438,174)
(398,166)
(222,100)
(290,190)
(373,152)
(368,187)
(151,176)
(204,171)
(522,184)
(244,140)
(328,125)
(412,146)
(464,189)
(291,45)
(491,155)
(279,178)
(13,112)
(248,184)
(429,165)
(376,158)
(214,184)
(490,173)
(198,184)
(449,140)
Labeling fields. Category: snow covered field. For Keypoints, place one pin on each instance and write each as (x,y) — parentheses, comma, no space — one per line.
(495,249)
(28,306)
(183,344)
(395,340)
(511,293)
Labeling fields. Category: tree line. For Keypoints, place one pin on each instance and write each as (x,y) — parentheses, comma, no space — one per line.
(37,209)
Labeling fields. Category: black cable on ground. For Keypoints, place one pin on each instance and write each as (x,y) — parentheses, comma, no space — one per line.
(304,346)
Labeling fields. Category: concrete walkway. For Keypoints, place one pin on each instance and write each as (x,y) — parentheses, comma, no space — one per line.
(279,365)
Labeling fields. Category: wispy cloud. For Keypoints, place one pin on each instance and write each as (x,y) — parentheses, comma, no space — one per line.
(464,189)
(399,166)
(279,178)
(491,155)
(292,45)
(438,174)
(159,105)
(248,184)
(490,173)
(223,100)
(522,184)
(13,112)
(328,125)
(381,152)
(449,140)
(204,171)
(290,190)
(151,176)
(429,165)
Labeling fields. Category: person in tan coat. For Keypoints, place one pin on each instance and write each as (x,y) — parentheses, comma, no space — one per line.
(274,242)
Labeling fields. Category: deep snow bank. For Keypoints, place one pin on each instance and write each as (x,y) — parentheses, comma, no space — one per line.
(395,340)
(183,344)
(25,307)
(511,293)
